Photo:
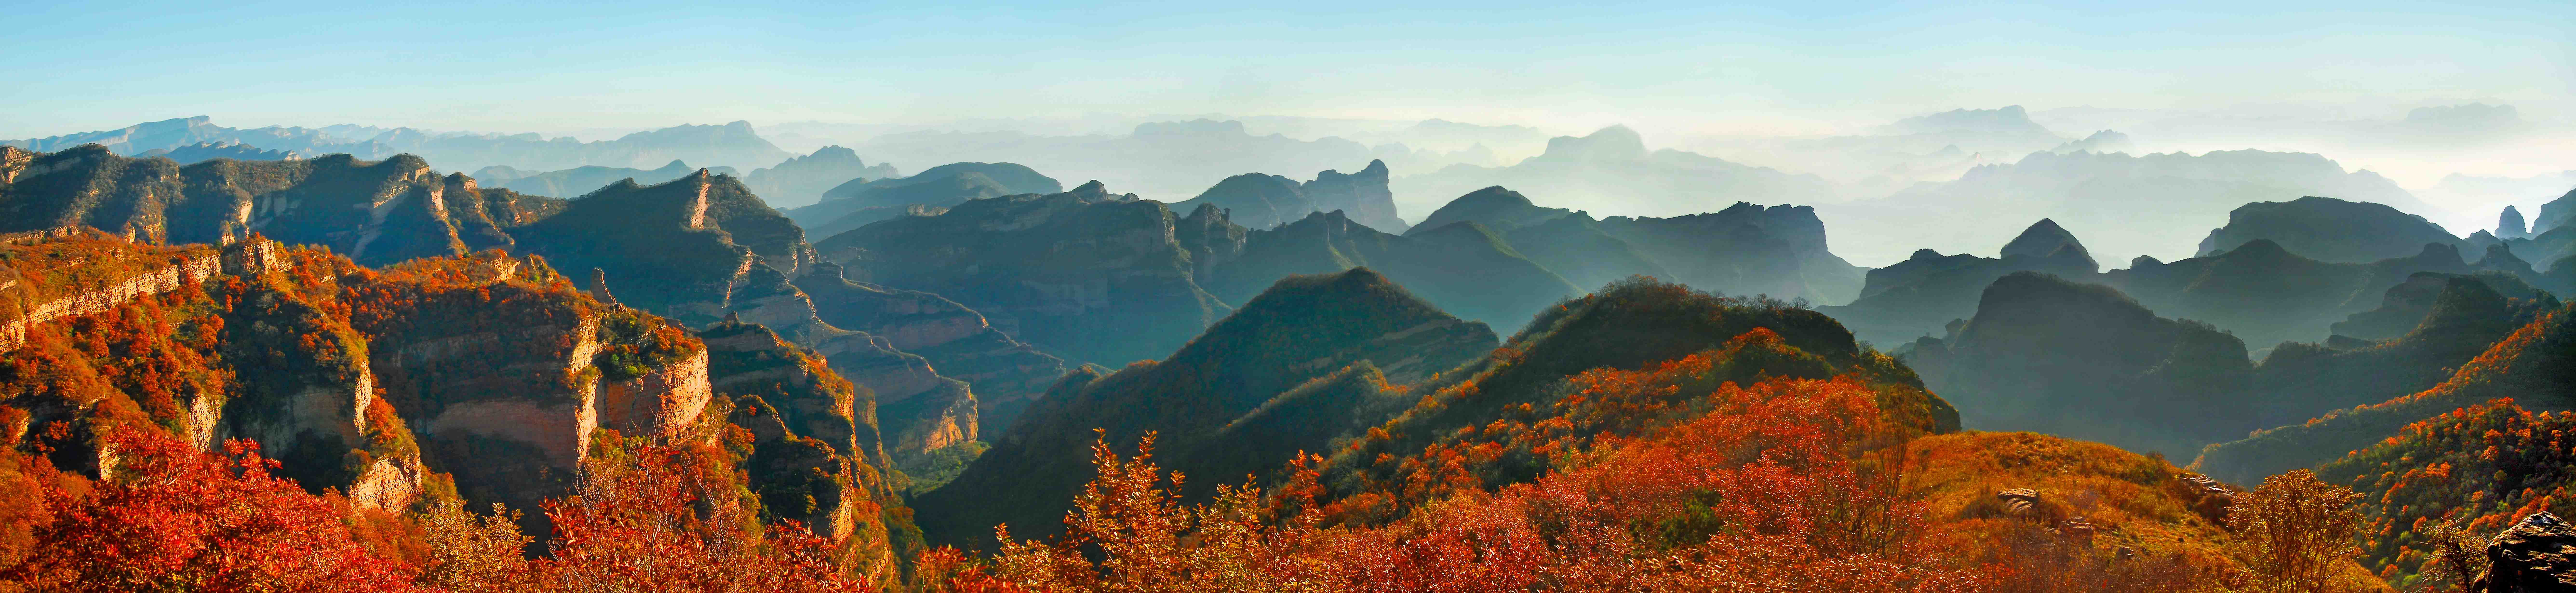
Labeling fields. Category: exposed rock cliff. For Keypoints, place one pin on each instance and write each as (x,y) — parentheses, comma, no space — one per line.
(2536,555)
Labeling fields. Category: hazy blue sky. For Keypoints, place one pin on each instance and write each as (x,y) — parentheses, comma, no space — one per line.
(1794,67)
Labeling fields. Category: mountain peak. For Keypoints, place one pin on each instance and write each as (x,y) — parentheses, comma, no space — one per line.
(2045,239)
(1091,189)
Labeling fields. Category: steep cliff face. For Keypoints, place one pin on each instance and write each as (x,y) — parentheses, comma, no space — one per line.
(1091,275)
(1362,194)
(210,345)
(816,455)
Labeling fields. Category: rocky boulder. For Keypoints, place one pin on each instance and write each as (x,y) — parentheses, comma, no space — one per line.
(2537,555)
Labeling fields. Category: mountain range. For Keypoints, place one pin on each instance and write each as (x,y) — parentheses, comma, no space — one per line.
(1612,170)
(1659,394)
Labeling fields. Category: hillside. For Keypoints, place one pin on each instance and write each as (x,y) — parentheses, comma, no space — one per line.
(1500,405)
(1728,468)
(1086,274)
(2051,355)
(2529,365)
(2479,469)
(1239,374)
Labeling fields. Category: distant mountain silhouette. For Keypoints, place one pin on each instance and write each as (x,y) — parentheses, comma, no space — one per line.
(2328,229)
(1260,201)
(1742,249)
(728,145)
(206,151)
(1463,268)
(859,202)
(802,180)
(1577,247)
(1924,293)
(2407,303)
(2124,205)
(1166,161)
(173,134)
(2269,295)
(2105,141)
(2008,120)
(1610,170)
(574,182)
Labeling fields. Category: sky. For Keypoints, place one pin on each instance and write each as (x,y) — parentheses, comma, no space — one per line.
(1781,68)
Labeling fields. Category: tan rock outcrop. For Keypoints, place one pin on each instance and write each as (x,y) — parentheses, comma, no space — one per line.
(659,403)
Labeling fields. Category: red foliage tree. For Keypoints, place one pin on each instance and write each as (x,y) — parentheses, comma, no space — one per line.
(661,525)
(171,518)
